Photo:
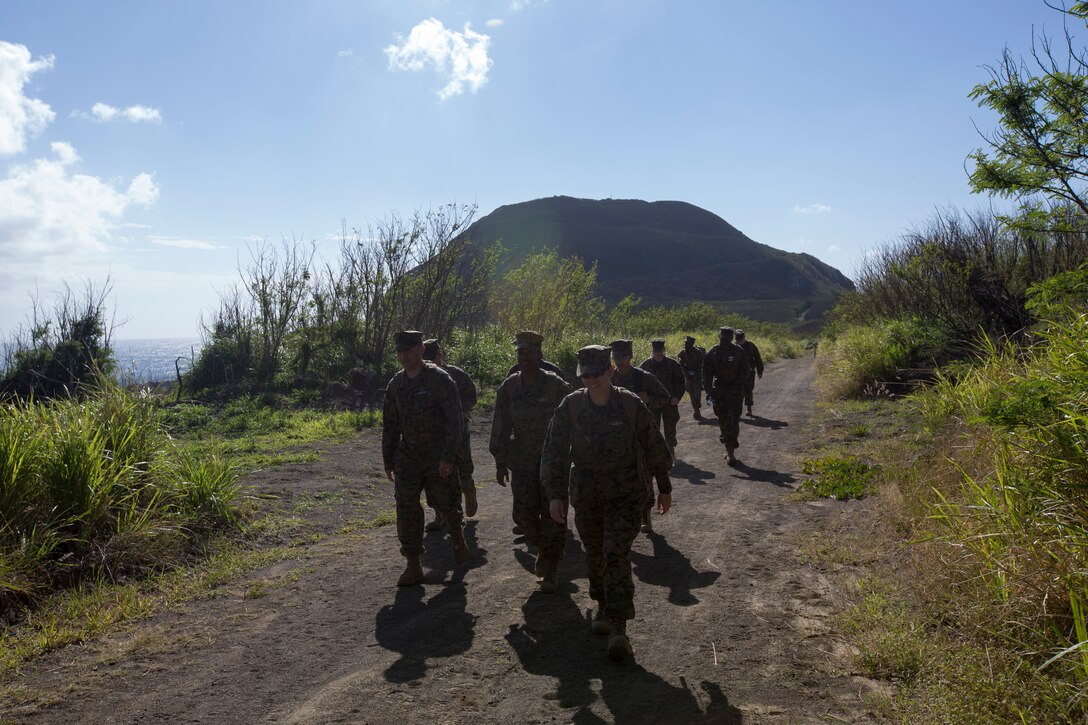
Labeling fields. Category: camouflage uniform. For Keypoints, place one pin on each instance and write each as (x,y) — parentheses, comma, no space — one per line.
(421,426)
(522,414)
(467,392)
(671,376)
(691,360)
(603,485)
(757,366)
(725,370)
(544,365)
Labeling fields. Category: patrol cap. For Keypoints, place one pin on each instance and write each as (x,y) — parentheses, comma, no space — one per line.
(689,340)
(740,334)
(407,339)
(726,333)
(621,348)
(658,343)
(529,339)
(431,349)
(593,360)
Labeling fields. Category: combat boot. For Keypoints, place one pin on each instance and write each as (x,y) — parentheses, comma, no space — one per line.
(698,414)
(413,573)
(619,647)
(517,530)
(750,411)
(600,623)
(460,546)
(549,584)
(437,525)
(730,459)
(471,504)
(647,525)
(541,565)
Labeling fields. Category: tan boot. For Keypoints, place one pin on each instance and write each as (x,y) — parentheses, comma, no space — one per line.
(471,504)
(619,647)
(413,573)
(460,546)
(600,623)
(549,584)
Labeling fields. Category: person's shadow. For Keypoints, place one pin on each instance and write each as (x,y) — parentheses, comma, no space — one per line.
(760,422)
(667,567)
(692,474)
(421,630)
(764,475)
(555,641)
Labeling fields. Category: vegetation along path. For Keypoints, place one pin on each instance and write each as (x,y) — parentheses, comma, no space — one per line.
(732,622)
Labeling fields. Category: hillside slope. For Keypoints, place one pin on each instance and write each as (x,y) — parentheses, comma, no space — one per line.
(667,252)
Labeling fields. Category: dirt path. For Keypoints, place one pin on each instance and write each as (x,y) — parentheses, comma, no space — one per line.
(731,624)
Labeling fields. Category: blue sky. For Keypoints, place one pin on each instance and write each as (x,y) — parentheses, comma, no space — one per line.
(150,142)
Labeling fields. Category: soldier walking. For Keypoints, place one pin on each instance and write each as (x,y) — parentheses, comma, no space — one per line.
(524,405)
(725,371)
(671,375)
(691,360)
(600,430)
(650,390)
(466,390)
(421,433)
(756,369)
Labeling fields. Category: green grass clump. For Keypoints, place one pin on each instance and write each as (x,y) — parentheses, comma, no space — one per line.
(838,478)
(94,488)
(862,355)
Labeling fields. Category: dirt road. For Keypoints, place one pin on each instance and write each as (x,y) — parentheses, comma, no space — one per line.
(731,623)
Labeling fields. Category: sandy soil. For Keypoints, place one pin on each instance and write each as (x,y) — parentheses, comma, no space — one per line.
(732,624)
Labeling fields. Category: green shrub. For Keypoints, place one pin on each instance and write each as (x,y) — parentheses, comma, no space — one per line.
(838,478)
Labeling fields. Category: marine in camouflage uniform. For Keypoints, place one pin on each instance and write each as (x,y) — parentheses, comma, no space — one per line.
(650,390)
(466,389)
(725,371)
(524,405)
(671,376)
(691,360)
(757,367)
(602,430)
(421,433)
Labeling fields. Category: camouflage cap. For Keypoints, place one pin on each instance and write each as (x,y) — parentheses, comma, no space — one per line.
(407,339)
(658,343)
(621,348)
(726,333)
(529,339)
(740,334)
(593,360)
(689,340)
(431,349)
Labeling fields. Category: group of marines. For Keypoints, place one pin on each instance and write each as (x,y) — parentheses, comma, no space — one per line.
(598,448)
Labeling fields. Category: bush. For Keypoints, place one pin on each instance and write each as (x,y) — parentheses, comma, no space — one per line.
(864,355)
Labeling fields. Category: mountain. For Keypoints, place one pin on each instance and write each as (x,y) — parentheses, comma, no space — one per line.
(668,252)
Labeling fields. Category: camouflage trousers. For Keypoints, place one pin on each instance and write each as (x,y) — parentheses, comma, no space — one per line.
(532,515)
(749,386)
(694,386)
(670,415)
(607,513)
(444,494)
(728,406)
(463,462)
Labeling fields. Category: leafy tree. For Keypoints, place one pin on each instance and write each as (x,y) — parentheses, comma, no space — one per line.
(1039,153)
(548,294)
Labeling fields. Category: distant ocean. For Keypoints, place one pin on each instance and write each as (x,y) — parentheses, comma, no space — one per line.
(152,361)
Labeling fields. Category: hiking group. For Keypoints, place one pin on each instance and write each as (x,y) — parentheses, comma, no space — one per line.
(598,448)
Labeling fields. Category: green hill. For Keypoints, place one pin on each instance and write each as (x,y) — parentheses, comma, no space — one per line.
(668,252)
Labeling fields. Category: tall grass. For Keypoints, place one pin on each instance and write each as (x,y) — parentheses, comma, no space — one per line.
(861,356)
(93,489)
(1014,522)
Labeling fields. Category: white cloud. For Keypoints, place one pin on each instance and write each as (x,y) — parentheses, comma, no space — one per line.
(833,248)
(48,213)
(812,209)
(494,22)
(345,53)
(20,117)
(802,242)
(183,243)
(522,4)
(103,113)
(462,57)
